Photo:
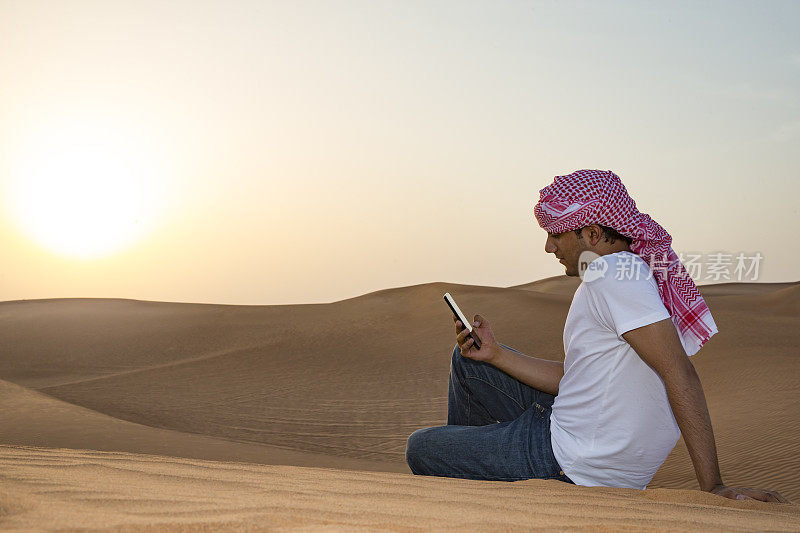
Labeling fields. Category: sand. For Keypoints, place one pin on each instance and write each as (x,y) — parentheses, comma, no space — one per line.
(133,414)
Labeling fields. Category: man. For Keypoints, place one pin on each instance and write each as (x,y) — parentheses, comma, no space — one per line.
(613,411)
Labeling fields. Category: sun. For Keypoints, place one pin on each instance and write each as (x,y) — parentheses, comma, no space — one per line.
(84,190)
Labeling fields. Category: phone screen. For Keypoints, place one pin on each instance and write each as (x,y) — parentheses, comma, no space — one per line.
(457,311)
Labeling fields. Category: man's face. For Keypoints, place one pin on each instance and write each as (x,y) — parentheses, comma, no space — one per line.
(567,247)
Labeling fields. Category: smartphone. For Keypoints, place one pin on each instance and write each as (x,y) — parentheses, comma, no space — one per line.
(457,312)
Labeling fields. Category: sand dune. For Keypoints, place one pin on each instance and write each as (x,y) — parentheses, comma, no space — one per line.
(45,488)
(30,418)
(342,385)
(352,379)
(564,285)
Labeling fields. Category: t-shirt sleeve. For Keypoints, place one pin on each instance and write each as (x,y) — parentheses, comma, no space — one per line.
(626,304)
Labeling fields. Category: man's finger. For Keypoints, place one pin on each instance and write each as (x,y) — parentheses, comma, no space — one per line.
(776,496)
(757,495)
(465,347)
(779,497)
(770,496)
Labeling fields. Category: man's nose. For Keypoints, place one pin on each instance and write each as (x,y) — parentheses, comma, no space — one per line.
(549,246)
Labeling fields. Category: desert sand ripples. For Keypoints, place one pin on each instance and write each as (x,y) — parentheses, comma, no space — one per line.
(132,492)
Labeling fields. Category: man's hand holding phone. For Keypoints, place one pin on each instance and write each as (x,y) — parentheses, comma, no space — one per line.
(475,340)
(489,350)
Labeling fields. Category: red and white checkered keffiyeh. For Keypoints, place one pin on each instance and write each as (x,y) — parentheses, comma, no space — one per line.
(598,197)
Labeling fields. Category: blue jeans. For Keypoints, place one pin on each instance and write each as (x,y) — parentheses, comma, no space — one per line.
(497,429)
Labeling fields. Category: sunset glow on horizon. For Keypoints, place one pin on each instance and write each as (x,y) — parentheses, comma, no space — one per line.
(85,190)
(295,152)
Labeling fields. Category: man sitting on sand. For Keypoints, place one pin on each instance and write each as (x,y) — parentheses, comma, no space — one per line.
(613,411)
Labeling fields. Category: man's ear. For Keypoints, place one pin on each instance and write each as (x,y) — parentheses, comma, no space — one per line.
(594,233)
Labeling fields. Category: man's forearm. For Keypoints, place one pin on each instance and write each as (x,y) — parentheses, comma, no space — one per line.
(691,412)
(537,373)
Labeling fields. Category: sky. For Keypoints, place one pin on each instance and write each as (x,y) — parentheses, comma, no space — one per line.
(256,152)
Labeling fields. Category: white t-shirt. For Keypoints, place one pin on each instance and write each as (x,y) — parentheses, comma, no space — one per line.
(611,424)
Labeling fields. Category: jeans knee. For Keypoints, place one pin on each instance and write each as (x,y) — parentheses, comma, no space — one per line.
(415,451)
